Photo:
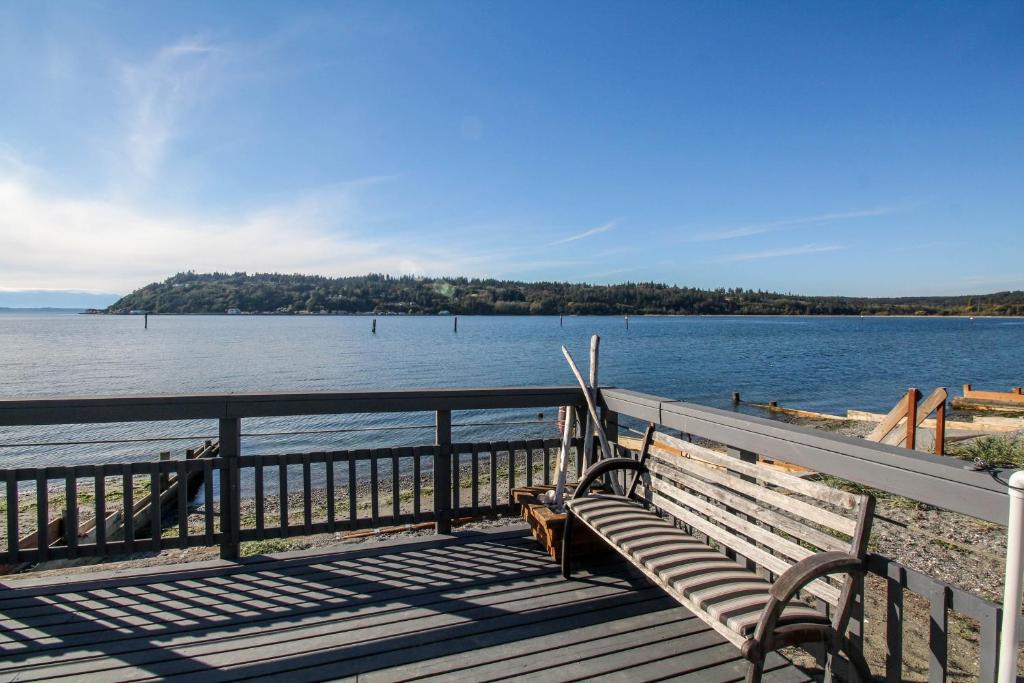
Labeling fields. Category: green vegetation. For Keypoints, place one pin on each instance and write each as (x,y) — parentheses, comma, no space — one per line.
(995,451)
(381,294)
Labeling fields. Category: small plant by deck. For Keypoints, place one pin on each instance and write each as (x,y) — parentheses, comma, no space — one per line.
(993,451)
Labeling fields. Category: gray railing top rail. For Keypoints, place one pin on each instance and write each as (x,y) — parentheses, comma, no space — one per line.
(942,482)
(80,410)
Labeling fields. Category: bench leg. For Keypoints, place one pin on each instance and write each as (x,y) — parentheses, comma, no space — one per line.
(566,545)
(754,672)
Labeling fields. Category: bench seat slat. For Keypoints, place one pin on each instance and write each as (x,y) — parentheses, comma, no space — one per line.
(762,493)
(822,492)
(705,581)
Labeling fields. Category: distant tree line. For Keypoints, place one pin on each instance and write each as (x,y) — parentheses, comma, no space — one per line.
(382,294)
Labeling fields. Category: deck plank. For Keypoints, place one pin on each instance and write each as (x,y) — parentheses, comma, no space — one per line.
(480,606)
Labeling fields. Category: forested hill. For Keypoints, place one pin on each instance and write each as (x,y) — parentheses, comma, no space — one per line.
(381,294)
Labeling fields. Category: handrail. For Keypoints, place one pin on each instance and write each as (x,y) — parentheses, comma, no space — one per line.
(941,482)
(81,410)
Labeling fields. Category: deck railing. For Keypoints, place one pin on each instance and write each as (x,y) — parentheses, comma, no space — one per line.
(941,482)
(438,482)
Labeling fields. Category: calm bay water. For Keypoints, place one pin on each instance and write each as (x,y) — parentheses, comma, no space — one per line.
(827,364)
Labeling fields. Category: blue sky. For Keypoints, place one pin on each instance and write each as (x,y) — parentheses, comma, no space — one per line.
(851,148)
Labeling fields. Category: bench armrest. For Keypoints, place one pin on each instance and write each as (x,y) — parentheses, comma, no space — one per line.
(601,468)
(793,580)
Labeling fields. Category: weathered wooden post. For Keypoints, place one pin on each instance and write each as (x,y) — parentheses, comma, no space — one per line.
(230,435)
(940,429)
(373,327)
(164,457)
(559,320)
(627,322)
(588,432)
(913,396)
(145,321)
(456,323)
(443,472)
(735,398)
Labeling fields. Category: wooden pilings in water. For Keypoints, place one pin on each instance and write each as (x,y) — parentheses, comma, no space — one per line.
(373,327)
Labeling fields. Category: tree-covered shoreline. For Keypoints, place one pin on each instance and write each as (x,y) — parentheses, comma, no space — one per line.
(275,293)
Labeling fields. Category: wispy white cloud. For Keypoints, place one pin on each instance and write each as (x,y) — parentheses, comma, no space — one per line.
(801,250)
(610,225)
(160,92)
(735,232)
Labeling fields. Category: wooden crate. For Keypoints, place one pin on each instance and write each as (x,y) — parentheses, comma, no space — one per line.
(547,526)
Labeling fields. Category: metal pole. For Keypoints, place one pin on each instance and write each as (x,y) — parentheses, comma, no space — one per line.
(1013,582)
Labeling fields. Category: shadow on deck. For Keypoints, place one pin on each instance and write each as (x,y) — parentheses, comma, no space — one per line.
(475,606)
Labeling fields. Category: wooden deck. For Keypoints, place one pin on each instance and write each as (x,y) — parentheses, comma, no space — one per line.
(472,607)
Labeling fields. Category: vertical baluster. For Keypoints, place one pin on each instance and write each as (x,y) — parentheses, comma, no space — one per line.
(988,654)
(208,499)
(307,497)
(154,505)
(374,493)
(937,634)
(396,498)
(456,479)
(547,464)
(42,515)
(101,509)
(71,513)
(493,461)
(182,477)
(529,462)
(442,471)
(474,483)
(352,500)
(329,475)
(511,472)
(128,495)
(261,498)
(230,435)
(894,624)
(12,516)
(417,456)
(282,488)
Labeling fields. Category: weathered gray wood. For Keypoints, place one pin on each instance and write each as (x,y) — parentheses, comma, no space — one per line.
(259,494)
(395,485)
(208,500)
(938,627)
(182,479)
(442,471)
(71,514)
(154,506)
(375,488)
(12,517)
(128,500)
(329,483)
(761,493)
(230,440)
(894,629)
(919,476)
(307,494)
(100,493)
(78,410)
(353,509)
(282,487)
(475,479)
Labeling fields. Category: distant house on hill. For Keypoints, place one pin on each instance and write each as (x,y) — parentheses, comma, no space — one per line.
(234,311)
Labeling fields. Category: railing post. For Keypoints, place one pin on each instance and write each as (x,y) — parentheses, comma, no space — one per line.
(611,428)
(913,396)
(230,435)
(443,472)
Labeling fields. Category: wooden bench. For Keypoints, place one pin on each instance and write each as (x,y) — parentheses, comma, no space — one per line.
(739,544)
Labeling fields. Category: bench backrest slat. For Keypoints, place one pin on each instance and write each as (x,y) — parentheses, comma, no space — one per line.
(812,489)
(720,475)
